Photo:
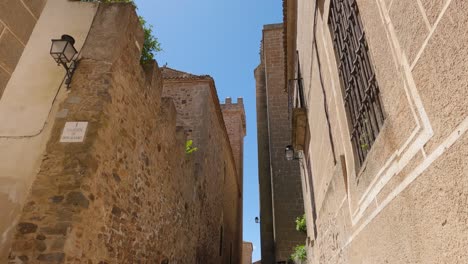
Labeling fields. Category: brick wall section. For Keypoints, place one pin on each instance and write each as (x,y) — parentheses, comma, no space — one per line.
(234,118)
(128,193)
(189,98)
(17,20)
(264,178)
(286,181)
(247,249)
(199,113)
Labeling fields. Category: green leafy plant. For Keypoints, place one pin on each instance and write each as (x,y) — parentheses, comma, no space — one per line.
(363,142)
(365,146)
(151,44)
(189,148)
(300,253)
(301,225)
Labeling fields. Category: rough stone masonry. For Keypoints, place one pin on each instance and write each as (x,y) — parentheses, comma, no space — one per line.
(129,193)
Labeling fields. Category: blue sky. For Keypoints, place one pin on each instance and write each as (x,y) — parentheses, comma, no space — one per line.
(220,38)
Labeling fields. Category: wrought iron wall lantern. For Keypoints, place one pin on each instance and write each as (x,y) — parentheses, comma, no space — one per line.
(63,51)
(257,220)
(291,154)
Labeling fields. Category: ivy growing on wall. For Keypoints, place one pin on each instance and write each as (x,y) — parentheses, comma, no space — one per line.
(151,44)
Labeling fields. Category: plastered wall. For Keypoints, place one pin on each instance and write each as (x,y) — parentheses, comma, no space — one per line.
(29,104)
(17,21)
(406,204)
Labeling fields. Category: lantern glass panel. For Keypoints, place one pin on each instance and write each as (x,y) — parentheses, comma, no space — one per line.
(58,47)
(69,52)
(289,153)
(56,50)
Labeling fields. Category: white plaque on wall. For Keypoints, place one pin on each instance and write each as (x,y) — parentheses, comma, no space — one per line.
(74,132)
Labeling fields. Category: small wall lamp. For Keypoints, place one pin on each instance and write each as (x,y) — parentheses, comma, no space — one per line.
(257,220)
(289,152)
(63,52)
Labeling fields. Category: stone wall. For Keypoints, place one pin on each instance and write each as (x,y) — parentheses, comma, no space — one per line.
(29,107)
(201,116)
(247,249)
(128,193)
(285,178)
(234,118)
(264,169)
(406,204)
(17,20)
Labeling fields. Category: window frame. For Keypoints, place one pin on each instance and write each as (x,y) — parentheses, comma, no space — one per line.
(359,86)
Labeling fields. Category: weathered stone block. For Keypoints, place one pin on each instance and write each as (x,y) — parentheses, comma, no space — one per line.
(409,26)
(4,77)
(40,237)
(433,9)
(77,199)
(15,15)
(40,246)
(60,228)
(114,28)
(35,6)
(116,211)
(10,51)
(388,3)
(441,74)
(26,228)
(57,198)
(58,243)
(51,258)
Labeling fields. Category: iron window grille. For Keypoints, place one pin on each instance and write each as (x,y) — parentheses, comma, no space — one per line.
(359,85)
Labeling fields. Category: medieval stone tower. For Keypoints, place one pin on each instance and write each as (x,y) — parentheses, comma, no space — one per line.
(280,179)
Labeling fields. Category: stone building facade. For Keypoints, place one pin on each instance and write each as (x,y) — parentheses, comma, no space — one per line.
(218,159)
(279,179)
(378,90)
(17,21)
(128,192)
(247,249)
